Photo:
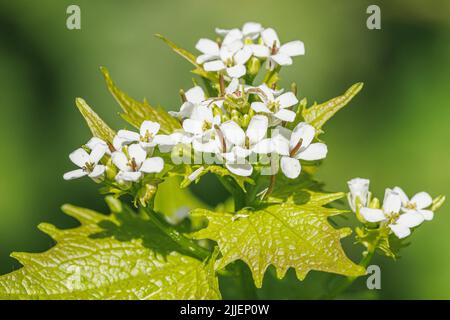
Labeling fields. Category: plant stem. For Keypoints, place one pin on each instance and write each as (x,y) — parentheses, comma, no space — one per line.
(235,191)
(187,244)
(348,281)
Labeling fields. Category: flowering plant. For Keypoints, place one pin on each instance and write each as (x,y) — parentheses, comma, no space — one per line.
(264,146)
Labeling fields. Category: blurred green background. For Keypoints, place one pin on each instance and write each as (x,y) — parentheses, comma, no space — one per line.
(396,132)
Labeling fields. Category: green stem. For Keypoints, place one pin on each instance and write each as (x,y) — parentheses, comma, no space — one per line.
(187,244)
(348,281)
(235,191)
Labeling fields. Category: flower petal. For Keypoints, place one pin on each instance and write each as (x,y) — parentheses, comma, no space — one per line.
(233,132)
(242,56)
(207,46)
(291,167)
(315,151)
(215,65)
(120,160)
(402,195)
(236,71)
(118,143)
(422,200)
(152,165)
(263,147)
(79,157)
(74,174)
(400,231)
(260,107)
(128,135)
(410,219)
(280,140)
(269,36)
(195,94)
(193,126)
(233,86)
(250,29)
(282,59)
(257,129)
(129,176)
(293,48)
(150,127)
(232,36)
(135,151)
(95,141)
(97,154)
(260,51)
(98,171)
(243,170)
(287,100)
(201,59)
(391,202)
(372,215)
(285,115)
(427,214)
(302,131)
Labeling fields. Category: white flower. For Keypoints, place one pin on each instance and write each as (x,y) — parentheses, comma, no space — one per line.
(87,162)
(296,145)
(146,137)
(201,121)
(194,96)
(359,188)
(275,106)
(400,224)
(274,52)
(230,56)
(418,203)
(244,143)
(133,164)
(250,30)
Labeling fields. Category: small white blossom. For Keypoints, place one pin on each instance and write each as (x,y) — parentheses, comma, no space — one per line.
(277,107)
(274,52)
(250,30)
(296,145)
(134,163)
(88,163)
(147,136)
(399,223)
(418,203)
(201,121)
(230,56)
(359,188)
(194,96)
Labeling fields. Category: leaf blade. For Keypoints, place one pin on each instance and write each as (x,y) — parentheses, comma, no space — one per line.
(97,126)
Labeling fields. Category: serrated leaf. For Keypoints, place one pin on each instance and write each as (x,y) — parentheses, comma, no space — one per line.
(97,126)
(301,190)
(318,115)
(104,259)
(215,169)
(283,235)
(136,112)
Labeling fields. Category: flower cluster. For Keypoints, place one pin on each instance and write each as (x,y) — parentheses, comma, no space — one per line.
(238,125)
(398,213)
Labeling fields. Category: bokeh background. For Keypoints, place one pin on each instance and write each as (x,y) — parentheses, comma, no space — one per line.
(396,132)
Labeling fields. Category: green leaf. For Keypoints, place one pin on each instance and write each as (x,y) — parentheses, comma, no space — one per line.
(212,76)
(302,190)
(136,112)
(121,256)
(283,235)
(318,115)
(98,127)
(217,170)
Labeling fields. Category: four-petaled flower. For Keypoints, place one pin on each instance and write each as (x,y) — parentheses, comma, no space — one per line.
(274,52)
(296,145)
(133,163)
(275,106)
(146,137)
(89,163)
(229,56)
(418,203)
(390,213)
(201,121)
